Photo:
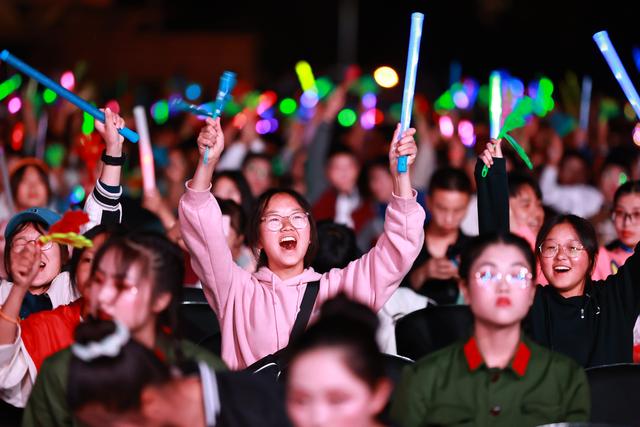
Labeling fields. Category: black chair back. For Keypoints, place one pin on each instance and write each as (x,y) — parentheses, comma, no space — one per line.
(614,394)
(198,322)
(432,328)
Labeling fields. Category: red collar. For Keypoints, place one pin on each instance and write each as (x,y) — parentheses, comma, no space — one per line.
(519,363)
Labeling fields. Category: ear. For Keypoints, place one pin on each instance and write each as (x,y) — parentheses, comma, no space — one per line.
(464,290)
(380,396)
(161,302)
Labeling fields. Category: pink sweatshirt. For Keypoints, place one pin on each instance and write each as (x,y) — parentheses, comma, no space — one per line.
(256,311)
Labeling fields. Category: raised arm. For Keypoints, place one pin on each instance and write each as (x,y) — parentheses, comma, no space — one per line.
(375,276)
(201,224)
(493,191)
(17,371)
(103,204)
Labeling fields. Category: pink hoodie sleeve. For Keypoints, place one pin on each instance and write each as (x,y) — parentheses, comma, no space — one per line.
(374,277)
(201,226)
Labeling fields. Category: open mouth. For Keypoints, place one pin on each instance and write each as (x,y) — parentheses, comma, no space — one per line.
(288,242)
(561,269)
(42,265)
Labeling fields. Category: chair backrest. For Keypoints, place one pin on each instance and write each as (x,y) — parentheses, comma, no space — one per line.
(432,328)
(615,396)
(198,322)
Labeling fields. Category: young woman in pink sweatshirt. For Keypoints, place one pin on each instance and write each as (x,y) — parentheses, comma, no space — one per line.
(257,311)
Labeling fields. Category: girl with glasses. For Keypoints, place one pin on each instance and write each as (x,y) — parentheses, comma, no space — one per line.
(589,320)
(257,311)
(498,376)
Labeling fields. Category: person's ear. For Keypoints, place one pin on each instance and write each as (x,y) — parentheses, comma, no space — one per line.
(161,302)
(464,290)
(380,396)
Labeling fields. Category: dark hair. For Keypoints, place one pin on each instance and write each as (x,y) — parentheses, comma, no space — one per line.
(234,211)
(115,382)
(337,246)
(629,187)
(42,228)
(253,233)
(90,234)
(477,245)
(583,228)
(243,187)
(450,179)
(518,180)
(350,327)
(252,155)
(18,174)
(341,149)
(161,260)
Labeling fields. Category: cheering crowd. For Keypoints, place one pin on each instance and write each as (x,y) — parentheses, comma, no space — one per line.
(297,278)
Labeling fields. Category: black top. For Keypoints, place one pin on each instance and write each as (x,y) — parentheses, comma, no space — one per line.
(595,328)
(442,291)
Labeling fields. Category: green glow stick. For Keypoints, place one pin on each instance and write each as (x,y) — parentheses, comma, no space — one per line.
(516,119)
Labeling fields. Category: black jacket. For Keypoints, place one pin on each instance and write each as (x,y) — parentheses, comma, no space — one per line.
(595,328)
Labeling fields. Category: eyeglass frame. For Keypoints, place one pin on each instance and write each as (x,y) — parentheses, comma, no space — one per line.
(508,278)
(564,248)
(288,217)
(43,247)
(625,215)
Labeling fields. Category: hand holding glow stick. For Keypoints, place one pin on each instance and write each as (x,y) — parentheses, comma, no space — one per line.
(410,80)
(145,150)
(609,52)
(62,92)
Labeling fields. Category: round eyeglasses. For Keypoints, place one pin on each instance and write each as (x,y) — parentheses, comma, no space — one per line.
(520,279)
(550,249)
(275,222)
(19,244)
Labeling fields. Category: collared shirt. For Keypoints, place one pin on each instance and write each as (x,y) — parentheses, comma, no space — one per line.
(454,387)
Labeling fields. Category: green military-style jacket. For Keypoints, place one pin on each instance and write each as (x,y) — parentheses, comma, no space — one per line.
(454,387)
(47,405)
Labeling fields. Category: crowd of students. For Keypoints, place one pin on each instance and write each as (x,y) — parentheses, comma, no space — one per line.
(307,251)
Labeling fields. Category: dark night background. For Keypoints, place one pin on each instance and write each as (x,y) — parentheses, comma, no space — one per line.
(526,37)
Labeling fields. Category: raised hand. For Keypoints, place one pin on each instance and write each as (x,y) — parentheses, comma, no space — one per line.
(211,137)
(406,146)
(493,149)
(25,265)
(109,132)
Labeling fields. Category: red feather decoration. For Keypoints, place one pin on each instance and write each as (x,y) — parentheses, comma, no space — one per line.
(70,222)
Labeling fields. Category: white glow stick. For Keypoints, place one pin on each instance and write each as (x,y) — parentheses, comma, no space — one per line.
(144,147)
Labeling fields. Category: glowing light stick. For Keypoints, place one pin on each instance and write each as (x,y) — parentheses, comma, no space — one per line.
(495,107)
(62,92)
(305,75)
(609,52)
(146,153)
(585,102)
(516,119)
(410,80)
(5,180)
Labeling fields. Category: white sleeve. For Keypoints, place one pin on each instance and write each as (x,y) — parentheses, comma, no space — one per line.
(103,206)
(581,200)
(17,373)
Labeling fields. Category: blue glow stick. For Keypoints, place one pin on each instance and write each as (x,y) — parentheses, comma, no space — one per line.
(636,56)
(585,102)
(62,92)
(609,52)
(410,80)
(191,109)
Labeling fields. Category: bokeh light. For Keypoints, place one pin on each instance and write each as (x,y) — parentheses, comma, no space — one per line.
(193,91)
(68,80)
(77,195)
(347,117)
(309,99)
(288,106)
(49,96)
(88,124)
(466,133)
(369,101)
(446,126)
(9,86)
(160,111)
(386,76)
(15,104)
(636,135)
(17,136)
